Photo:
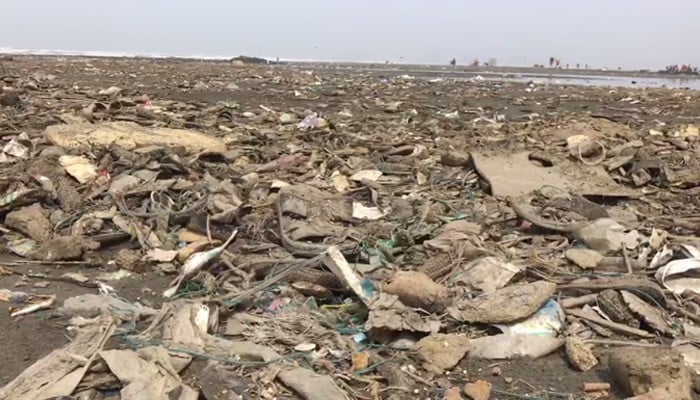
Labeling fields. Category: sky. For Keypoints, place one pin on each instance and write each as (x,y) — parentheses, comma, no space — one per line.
(601,33)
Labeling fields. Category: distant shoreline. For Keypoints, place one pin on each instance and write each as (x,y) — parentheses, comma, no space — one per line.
(436,70)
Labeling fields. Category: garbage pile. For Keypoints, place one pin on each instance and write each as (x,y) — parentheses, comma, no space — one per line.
(374,246)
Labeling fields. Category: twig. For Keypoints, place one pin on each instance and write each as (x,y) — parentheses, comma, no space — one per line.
(19,263)
(684,312)
(578,301)
(236,298)
(608,342)
(609,324)
(209,232)
(418,378)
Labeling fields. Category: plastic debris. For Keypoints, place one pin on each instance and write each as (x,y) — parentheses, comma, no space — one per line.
(388,225)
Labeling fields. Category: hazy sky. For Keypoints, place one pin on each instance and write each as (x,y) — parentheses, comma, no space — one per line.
(628,33)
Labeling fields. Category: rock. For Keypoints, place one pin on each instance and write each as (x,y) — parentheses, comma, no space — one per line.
(130,260)
(479,390)
(10,98)
(604,235)
(68,197)
(454,158)
(310,385)
(580,356)
(110,91)
(64,248)
(442,352)
(453,393)
(612,304)
(287,118)
(32,221)
(656,394)
(641,371)
(508,304)
(416,289)
(584,258)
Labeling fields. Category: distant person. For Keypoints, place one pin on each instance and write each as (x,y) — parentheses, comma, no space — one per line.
(453,62)
(578,65)
(551,62)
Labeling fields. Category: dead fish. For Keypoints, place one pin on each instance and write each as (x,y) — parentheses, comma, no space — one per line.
(196,262)
(46,302)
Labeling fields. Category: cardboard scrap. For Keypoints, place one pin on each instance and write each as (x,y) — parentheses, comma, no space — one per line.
(60,372)
(515,175)
(129,136)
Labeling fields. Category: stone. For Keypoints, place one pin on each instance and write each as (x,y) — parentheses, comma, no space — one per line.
(442,352)
(416,289)
(640,371)
(310,385)
(584,258)
(10,98)
(64,248)
(454,158)
(130,260)
(453,393)
(32,221)
(479,390)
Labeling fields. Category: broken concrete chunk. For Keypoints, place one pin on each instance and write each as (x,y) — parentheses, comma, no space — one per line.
(604,235)
(129,136)
(311,386)
(416,289)
(31,221)
(580,355)
(442,352)
(638,372)
(64,248)
(584,258)
(508,304)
